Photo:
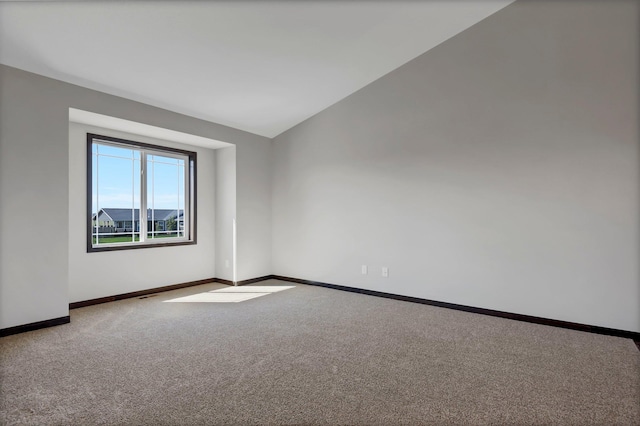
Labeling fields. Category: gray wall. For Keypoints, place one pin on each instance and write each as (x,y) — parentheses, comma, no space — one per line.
(34,181)
(225,211)
(498,170)
(253,192)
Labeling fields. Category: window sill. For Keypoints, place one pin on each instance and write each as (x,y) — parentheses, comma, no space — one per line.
(91,249)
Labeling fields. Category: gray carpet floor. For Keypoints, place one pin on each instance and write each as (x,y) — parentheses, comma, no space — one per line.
(310,355)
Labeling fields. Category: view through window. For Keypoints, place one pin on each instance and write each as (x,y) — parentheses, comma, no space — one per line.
(140,194)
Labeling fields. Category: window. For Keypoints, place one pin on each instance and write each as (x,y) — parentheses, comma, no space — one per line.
(138,195)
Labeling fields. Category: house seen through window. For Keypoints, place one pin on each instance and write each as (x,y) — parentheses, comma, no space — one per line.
(139,195)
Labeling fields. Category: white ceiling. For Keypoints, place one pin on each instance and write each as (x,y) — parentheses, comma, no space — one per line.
(259,66)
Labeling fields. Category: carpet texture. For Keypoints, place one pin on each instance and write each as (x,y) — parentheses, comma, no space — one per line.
(311,355)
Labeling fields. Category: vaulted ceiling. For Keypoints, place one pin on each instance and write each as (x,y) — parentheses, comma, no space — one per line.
(259,66)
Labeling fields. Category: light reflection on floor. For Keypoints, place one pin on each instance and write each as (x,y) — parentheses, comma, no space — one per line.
(230,294)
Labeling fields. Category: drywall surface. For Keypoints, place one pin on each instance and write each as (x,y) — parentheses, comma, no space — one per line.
(34,184)
(498,170)
(100,274)
(225,210)
(253,210)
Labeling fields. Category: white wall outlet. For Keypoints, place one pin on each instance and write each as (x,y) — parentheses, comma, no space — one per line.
(227,263)
(365,270)
(385,271)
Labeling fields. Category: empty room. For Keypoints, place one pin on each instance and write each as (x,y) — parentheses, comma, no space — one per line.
(359,212)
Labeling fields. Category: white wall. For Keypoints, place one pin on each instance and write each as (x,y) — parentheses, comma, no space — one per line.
(254,210)
(498,170)
(34,177)
(100,274)
(225,210)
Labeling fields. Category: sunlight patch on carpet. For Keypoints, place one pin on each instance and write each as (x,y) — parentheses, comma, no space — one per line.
(255,289)
(230,294)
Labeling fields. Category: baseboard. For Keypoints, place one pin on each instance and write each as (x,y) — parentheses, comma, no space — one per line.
(34,326)
(255,280)
(509,315)
(635,336)
(223,281)
(75,305)
(243,282)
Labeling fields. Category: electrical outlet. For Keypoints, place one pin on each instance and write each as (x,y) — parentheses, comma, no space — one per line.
(385,271)
(364,270)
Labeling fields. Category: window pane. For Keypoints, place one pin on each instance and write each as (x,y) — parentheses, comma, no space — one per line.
(165,197)
(115,194)
(140,194)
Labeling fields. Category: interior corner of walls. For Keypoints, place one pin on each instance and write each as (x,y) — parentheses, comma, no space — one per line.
(226,200)
(253,209)
(478,170)
(37,118)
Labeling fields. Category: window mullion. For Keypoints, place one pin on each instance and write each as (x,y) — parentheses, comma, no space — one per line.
(143,196)
(97,192)
(186,221)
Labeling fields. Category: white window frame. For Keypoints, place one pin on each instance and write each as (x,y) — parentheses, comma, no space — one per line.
(145,150)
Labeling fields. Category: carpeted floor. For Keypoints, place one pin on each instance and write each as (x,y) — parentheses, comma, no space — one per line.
(310,355)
